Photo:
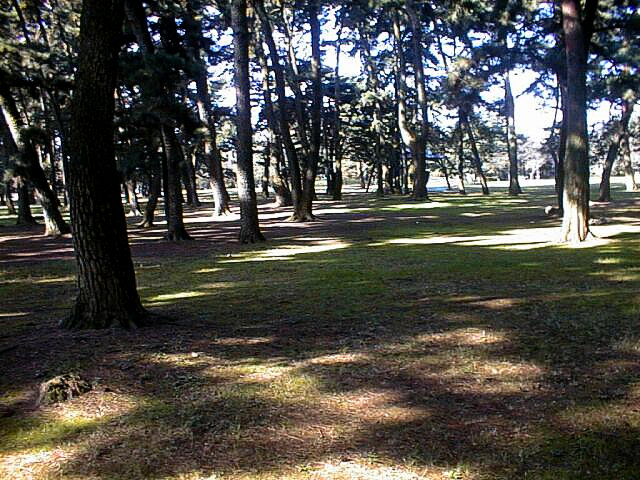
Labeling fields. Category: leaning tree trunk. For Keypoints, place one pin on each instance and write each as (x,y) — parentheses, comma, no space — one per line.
(107,292)
(280,189)
(249,225)
(616,138)
(575,220)
(289,147)
(512,139)
(27,165)
(477,162)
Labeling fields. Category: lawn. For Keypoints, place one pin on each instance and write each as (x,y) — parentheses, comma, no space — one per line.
(390,339)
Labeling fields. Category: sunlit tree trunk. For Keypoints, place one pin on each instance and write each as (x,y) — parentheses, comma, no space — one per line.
(107,292)
(575,220)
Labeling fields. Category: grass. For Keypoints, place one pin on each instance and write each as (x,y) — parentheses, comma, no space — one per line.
(393,339)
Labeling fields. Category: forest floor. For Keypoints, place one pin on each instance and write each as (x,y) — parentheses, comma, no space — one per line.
(390,339)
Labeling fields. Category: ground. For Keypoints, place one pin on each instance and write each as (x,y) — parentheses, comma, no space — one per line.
(390,339)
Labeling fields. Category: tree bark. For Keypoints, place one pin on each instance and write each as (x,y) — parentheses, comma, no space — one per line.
(512,139)
(406,132)
(206,114)
(172,187)
(420,166)
(575,220)
(621,127)
(477,162)
(289,147)
(107,292)
(27,165)
(249,225)
(336,184)
(155,187)
(24,204)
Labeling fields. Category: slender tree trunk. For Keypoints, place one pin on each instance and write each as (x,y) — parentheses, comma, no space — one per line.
(28,165)
(134,206)
(249,225)
(172,187)
(189,176)
(265,173)
(621,127)
(336,184)
(206,114)
(512,139)
(155,186)
(575,220)
(625,154)
(107,292)
(477,162)
(289,147)
(281,191)
(305,212)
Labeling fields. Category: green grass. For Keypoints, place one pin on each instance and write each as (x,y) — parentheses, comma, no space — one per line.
(449,339)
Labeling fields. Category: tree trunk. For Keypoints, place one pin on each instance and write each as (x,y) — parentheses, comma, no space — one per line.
(477,162)
(281,191)
(107,292)
(420,164)
(249,225)
(206,114)
(512,139)
(336,147)
(289,147)
(625,154)
(172,187)
(406,132)
(134,206)
(575,220)
(24,204)
(305,210)
(155,186)
(27,165)
(461,187)
(189,177)
(621,127)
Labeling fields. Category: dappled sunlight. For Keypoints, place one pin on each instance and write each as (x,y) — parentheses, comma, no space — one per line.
(368,469)
(286,252)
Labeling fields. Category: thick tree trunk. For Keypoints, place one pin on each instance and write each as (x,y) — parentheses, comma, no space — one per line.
(249,225)
(621,127)
(575,220)
(24,204)
(477,161)
(512,139)
(107,292)
(420,166)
